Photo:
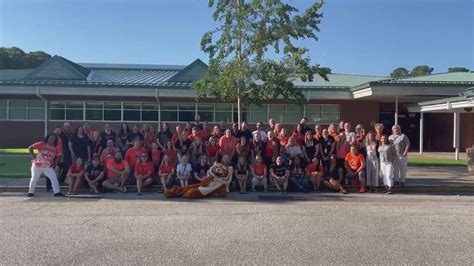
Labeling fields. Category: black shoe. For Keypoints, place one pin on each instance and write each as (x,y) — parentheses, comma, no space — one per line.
(397,183)
(402,184)
(59,194)
(30,195)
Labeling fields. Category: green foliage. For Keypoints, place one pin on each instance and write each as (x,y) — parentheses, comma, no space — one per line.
(15,58)
(400,72)
(457,69)
(248,32)
(421,71)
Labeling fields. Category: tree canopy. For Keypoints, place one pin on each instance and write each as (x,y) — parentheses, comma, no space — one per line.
(457,69)
(400,72)
(253,55)
(15,58)
(421,71)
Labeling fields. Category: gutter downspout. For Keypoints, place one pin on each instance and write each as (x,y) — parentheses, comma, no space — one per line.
(159,109)
(38,94)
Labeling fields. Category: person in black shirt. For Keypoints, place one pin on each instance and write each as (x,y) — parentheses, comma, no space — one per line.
(200,170)
(183,145)
(164,135)
(197,122)
(245,132)
(106,135)
(122,138)
(327,148)
(94,174)
(235,130)
(79,145)
(65,136)
(279,174)
(134,135)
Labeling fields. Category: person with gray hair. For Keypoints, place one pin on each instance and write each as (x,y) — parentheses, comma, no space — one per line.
(402,146)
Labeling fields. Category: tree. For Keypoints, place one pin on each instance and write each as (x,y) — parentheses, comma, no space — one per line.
(457,69)
(421,71)
(400,72)
(249,32)
(15,58)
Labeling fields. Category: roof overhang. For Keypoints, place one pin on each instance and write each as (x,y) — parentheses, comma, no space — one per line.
(447,107)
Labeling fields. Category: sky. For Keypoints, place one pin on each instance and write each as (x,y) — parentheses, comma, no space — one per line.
(369,37)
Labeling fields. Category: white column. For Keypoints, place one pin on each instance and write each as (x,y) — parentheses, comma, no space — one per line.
(46,117)
(396,110)
(456,135)
(421,132)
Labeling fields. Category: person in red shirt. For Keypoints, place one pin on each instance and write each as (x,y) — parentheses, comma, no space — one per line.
(272,149)
(176,135)
(259,174)
(171,152)
(284,138)
(117,172)
(75,175)
(166,172)
(227,144)
(212,150)
(195,133)
(150,137)
(318,132)
(298,135)
(132,156)
(143,173)
(44,163)
(314,172)
(355,166)
(108,152)
(155,156)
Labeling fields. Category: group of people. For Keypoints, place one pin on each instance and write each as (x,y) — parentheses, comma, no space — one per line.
(297,159)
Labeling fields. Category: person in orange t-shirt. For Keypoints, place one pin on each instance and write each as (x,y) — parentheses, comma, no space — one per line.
(298,135)
(227,144)
(144,170)
(132,156)
(355,165)
(117,171)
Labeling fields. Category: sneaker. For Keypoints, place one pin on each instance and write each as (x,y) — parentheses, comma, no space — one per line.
(59,194)
(139,194)
(362,190)
(30,195)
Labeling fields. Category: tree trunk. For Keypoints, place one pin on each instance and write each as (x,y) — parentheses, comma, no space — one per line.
(239,111)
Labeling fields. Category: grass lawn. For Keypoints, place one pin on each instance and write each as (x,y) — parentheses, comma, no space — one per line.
(431,161)
(14,151)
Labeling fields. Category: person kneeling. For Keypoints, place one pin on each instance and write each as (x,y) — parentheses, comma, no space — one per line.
(117,174)
(355,165)
(74,176)
(280,173)
(143,173)
(94,174)
(259,174)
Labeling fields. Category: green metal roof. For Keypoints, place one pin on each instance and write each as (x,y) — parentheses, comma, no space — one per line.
(455,77)
(336,81)
(59,68)
(466,95)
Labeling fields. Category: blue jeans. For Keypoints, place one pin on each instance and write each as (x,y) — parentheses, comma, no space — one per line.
(300,184)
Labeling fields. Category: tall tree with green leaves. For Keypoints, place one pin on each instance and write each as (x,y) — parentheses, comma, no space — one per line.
(457,69)
(421,71)
(400,72)
(253,52)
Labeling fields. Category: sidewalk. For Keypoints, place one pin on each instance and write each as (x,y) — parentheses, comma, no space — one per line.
(420,180)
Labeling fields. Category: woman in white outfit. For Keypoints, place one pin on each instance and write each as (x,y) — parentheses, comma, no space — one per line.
(372,162)
(387,156)
(402,145)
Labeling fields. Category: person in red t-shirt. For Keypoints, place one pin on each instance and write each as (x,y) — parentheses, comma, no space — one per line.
(259,174)
(117,172)
(75,175)
(166,172)
(143,173)
(227,144)
(314,172)
(298,135)
(108,152)
(355,166)
(132,156)
(212,150)
(44,162)
(155,155)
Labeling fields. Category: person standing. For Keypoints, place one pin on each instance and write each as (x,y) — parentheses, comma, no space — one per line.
(328,147)
(259,130)
(387,159)
(79,145)
(402,145)
(372,162)
(106,135)
(44,162)
(66,162)
(164,135)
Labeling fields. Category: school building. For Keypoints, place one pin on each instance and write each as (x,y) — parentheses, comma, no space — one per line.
(34,101)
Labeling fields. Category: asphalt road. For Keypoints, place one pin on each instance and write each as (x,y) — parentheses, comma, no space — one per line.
(297,230)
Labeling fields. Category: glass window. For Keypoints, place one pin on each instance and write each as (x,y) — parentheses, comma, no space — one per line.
(223,112)
(277,112)
(112,111)
(186,112)
(36,110)
(18,109)
(131,112)
(3,109)
(258,113)
(149,112)
(313,113)
(169,112)
(74,110)
(94,111)
(206,112)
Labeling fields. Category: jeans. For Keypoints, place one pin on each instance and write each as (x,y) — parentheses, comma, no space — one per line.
(300,184)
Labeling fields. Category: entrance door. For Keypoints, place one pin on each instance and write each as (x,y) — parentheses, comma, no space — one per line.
(410,124)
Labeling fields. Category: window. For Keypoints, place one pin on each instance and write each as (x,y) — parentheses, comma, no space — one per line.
(18,109)
(186,112)
(149,112)
(322,113)
(314,113)
(36,110)
(75,110)
(169,112)
(258,113)
(94,111)
(113,111)
(223,112)
(3,109)
(206,112)
(25,109)
(57,110)
(131,112)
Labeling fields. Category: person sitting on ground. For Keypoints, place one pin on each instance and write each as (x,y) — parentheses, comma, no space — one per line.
(74,176)
(132,156)
(183,171)
(200,170)
(117,172)
(279,174)
(332,178)
(355,167)
(144,173)
(166,172)
(259,174)
(297,176)
(94,174)
(49,154)
(242,174)
(314,172)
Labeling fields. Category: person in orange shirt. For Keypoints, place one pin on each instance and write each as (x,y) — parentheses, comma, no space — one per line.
(166,172)
(75,175)
(277,130)
(176,135)
(283,137)
(171,152)
(212,150)
(332,130)
(117,172)
(144,173)
(298,134)
(314,172)
(156,155)
(227,144)
(108,153)
(259,174)
(132,156)
(355,167)
(150,137)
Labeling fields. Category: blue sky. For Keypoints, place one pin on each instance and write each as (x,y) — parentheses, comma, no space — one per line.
(357,36)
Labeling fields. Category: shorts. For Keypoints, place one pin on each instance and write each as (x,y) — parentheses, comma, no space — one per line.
(341,163)
(350,176)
